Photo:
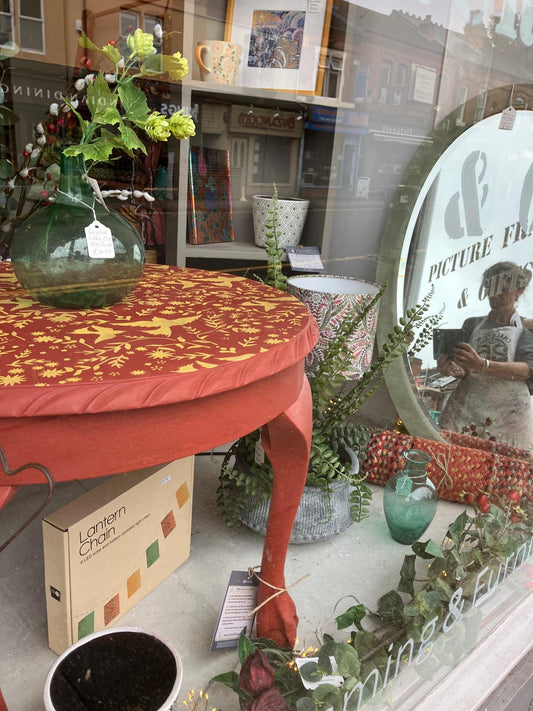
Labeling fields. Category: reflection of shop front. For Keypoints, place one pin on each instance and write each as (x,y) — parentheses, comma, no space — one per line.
(263,146)
(324,124)
(387,152)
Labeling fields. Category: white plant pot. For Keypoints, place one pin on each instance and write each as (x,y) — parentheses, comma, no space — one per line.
(331,299)
(291,217)
(120,668)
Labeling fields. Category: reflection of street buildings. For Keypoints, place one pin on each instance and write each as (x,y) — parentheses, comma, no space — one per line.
(389,80)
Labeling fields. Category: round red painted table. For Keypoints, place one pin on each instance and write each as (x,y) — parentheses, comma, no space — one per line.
(191,360)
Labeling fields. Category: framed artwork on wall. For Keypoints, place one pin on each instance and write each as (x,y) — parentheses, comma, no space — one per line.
(283,42)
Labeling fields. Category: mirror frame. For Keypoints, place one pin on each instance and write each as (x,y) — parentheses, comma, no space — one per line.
(409,196)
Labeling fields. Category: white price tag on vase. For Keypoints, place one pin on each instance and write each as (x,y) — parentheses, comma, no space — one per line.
(99,241)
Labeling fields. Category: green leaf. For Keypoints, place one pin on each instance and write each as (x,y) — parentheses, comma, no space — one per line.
(153,64)
(390,608)
(100,100)
(110,116)
(7,116)
(352,616)
(365,642)
(84,41)
(245,647)
(111,53)
(130,138)
(134,102)
(328,695)
(347,660)
(230,679)
(444,590)
(305,703)
(407,575)
(6,169)
(99,151)
(311,672)
(427,549)
(456,530)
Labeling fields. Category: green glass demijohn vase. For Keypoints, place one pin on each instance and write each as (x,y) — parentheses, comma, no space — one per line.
(410,498)
(75,253)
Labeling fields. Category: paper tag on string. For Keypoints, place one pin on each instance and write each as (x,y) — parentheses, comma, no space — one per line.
(239,601)
(99,241)
(96,190)
(404,485)
(507,118)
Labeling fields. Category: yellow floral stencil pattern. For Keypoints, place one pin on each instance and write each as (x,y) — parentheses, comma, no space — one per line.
(182,333)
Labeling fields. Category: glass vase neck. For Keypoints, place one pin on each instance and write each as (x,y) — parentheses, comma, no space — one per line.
(415,462)
(73,180)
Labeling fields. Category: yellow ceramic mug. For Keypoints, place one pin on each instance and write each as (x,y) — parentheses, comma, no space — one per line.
(218,61)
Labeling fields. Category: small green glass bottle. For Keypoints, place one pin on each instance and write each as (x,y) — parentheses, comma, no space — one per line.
(75,253)
(410,498)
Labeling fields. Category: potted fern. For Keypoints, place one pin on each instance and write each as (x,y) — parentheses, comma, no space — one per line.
(335,494)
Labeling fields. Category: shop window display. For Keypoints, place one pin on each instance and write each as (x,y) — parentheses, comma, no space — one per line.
(397,84)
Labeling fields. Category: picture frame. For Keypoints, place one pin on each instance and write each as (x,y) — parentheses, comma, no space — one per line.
(283,42)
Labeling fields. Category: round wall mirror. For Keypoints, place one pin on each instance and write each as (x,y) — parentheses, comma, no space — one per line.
(464,204)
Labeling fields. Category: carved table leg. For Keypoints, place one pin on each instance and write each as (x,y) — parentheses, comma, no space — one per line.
(287,441)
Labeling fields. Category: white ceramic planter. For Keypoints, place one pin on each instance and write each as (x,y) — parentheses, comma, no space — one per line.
(120,668)
(291,218)
(331,299)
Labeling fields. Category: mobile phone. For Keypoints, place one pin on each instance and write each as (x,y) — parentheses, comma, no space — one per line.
(445,340)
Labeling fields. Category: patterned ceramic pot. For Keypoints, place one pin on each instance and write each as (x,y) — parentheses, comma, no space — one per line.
(291,217)
(331,299)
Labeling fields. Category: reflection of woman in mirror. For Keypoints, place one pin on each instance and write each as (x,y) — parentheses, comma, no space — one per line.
(495,364)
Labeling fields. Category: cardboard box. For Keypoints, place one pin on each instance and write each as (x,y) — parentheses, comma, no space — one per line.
(106,550)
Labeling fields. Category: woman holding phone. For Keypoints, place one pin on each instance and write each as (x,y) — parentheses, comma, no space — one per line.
(495,364)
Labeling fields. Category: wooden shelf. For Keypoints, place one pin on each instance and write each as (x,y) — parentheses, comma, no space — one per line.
(272,95)
(227,250)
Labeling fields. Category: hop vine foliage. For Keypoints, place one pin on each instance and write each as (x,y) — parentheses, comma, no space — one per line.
(120,118)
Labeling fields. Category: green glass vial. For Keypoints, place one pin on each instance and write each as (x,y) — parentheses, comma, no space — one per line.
(410,498)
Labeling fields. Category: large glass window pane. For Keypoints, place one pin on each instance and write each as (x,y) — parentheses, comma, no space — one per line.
(31,8)
(31,35)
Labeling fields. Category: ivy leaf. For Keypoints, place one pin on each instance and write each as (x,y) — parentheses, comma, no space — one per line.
(390,608)
(347,660)
(445,591)
(311,672)
(245,647)
(427,550)
(352,616)
(364,642)
(134,102)
(407,575)
(327,695)
(456,530)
